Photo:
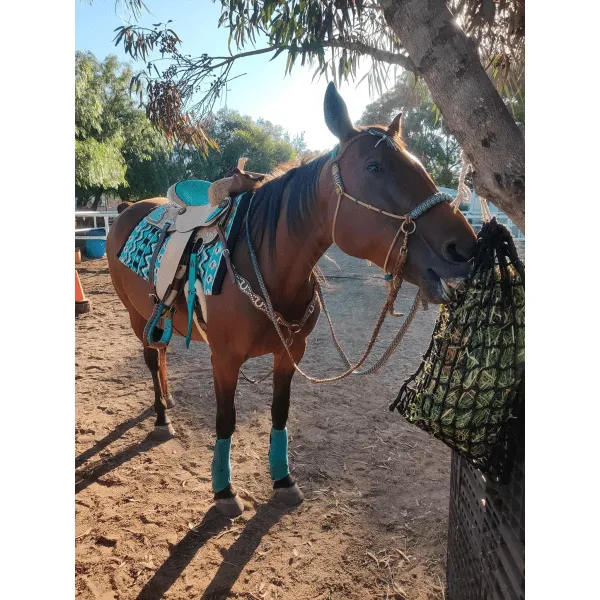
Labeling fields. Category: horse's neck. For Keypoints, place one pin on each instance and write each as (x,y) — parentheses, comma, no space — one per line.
(295,256)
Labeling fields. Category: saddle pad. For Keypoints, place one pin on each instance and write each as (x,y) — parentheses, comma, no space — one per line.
(137,250)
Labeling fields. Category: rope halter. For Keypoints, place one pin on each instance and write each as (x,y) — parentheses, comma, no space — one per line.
(407,226)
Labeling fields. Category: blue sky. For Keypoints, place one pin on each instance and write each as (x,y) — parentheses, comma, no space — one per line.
(295,102)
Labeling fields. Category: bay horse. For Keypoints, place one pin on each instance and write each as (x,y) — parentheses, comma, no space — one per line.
(296,216)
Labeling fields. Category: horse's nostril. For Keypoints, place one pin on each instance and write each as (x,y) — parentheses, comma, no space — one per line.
(455,253)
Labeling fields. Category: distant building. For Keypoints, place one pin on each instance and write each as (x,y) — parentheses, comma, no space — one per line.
(473,214)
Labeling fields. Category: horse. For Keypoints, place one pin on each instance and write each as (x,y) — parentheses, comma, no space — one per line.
(295,217)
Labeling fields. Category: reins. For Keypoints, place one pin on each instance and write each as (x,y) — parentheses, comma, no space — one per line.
(407,227)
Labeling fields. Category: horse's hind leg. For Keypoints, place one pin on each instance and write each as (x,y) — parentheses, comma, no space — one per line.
(156,363)
(162,426)
(285,489)
(163,378)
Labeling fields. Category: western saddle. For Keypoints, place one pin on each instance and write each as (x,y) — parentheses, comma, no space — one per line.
(193,218)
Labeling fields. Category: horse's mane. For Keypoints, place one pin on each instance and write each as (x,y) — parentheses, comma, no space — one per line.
(299,183)
(292,180)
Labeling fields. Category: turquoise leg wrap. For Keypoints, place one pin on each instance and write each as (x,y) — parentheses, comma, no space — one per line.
(278,454)
(221,465)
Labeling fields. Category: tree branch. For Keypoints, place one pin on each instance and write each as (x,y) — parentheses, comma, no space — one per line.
(352,45)
(232,57)
(392,58)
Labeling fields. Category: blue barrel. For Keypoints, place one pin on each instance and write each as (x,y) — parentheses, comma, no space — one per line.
(95,248)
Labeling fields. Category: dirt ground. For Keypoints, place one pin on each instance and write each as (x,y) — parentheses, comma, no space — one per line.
(373,524)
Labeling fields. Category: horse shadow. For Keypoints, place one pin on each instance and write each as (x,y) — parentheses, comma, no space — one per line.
(91,475)
(114,435)
(235,558)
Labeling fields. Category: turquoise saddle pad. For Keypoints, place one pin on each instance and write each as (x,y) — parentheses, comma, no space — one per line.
(137,251)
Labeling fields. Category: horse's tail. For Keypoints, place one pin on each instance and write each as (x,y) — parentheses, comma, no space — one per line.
(123,206)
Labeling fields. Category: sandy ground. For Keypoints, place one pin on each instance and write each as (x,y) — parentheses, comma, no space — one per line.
(374,521)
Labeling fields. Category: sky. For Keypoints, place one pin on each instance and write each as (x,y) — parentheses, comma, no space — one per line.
(294,101)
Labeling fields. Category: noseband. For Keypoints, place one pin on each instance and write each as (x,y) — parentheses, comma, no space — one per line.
(407,225)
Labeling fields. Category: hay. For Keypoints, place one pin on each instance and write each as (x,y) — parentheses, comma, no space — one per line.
(469,402)
(464,390)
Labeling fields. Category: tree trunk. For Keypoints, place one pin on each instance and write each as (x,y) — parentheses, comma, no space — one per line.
(124,194)
(472,108)
(97,198)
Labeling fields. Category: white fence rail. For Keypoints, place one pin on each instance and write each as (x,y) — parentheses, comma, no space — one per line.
(474,214)
(476,222)
(108,216)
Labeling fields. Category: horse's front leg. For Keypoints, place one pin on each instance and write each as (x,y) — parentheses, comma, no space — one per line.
(285,489)
(225,376)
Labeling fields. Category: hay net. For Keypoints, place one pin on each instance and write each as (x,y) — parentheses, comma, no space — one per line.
(466,390)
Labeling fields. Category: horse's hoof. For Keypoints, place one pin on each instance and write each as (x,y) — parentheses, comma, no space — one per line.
(170,402)
(230,507)
(289,495)
(164,432)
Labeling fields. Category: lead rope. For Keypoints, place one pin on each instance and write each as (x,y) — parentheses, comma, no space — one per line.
(352,369)
(257,381)
(391,348)
(464,193)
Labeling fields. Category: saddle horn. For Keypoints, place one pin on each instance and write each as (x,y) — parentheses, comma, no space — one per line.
(240,181)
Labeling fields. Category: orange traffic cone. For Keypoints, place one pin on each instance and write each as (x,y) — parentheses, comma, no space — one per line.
(82,304)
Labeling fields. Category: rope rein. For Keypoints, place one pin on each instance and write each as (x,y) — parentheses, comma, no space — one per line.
(287,344)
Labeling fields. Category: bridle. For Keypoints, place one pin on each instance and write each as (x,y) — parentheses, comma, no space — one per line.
(407,225)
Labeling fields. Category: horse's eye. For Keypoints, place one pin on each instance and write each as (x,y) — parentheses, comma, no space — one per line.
(374,168)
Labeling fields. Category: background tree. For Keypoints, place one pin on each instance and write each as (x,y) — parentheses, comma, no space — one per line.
(99,164)
(152,164)
(422,127)
(262,142)
(463,50)
(119,151)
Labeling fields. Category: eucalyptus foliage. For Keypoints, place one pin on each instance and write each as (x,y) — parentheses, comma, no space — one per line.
(334,36)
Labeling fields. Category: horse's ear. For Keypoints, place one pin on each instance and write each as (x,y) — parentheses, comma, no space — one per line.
(395,125)
(336,115)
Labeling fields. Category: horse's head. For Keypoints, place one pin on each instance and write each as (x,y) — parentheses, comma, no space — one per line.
(376,170)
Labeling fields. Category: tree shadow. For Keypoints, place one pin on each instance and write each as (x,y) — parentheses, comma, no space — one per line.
(115,434)
(94,473)
(234,559)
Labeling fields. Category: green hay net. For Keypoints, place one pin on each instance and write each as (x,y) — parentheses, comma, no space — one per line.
(468,389)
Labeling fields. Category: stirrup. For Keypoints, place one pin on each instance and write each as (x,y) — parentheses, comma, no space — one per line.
(166,313)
